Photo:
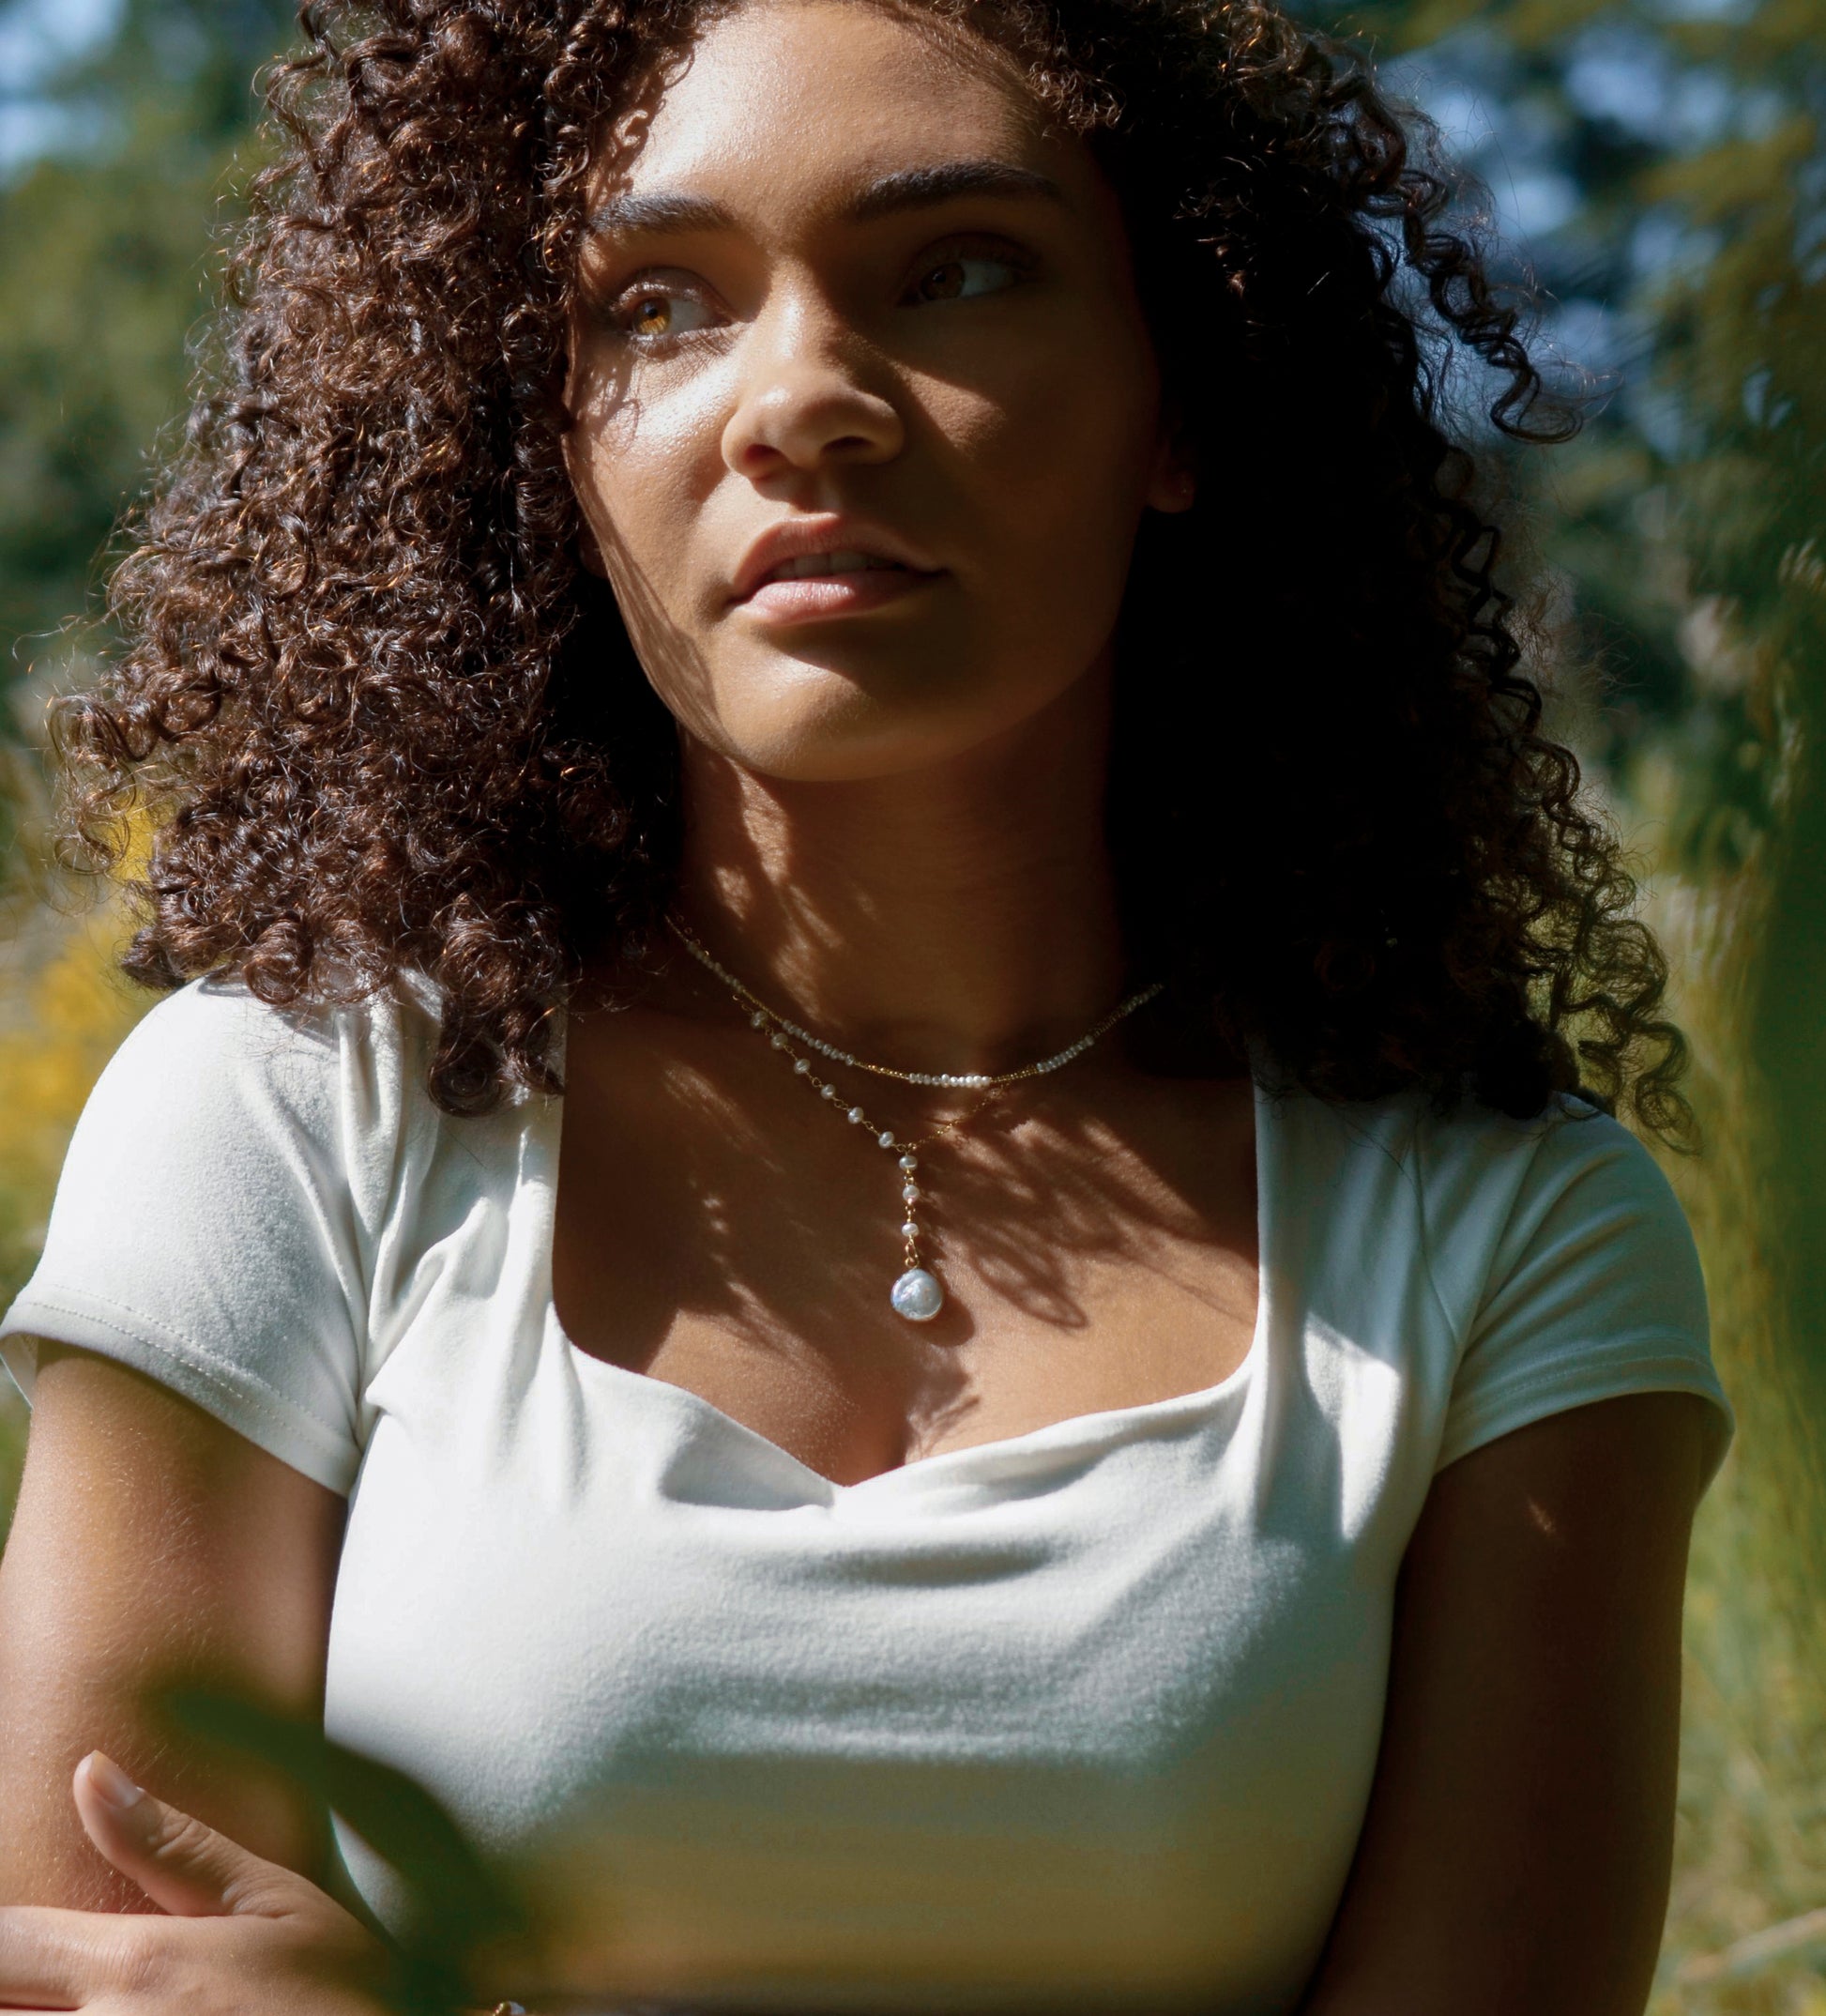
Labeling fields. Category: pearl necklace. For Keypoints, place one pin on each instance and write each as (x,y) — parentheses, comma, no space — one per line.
(918,1294)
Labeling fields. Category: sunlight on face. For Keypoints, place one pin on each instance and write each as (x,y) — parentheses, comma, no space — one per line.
(867,413)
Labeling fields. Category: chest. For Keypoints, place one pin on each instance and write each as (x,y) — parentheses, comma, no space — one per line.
(1089,1710)
(1094,1710)
(724,1229)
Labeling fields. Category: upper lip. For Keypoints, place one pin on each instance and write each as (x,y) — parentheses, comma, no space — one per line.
(793,539)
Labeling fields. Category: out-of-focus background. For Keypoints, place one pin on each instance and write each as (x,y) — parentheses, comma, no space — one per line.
(1658,169)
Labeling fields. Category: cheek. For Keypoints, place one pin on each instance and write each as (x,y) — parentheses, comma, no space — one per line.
(643,459)
(638,466)
(1059,455)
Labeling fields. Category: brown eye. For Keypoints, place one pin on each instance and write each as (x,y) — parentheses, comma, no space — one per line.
(967,275)
(652,316)
(655,310)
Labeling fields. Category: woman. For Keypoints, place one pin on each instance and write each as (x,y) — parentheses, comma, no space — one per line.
(1075,1404)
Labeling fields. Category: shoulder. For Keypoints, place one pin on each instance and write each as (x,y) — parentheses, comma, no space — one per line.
(1527,1265)
(212,1064)
(219,1110)
(216,1028)
(1477,1182)
(1574,1271)
(221,1206)
(1571,1191)
(1569,1140)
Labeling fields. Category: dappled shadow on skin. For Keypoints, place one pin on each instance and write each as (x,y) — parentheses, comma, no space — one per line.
(720,1227)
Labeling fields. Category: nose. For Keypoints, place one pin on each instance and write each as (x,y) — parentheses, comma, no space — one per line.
(803,402)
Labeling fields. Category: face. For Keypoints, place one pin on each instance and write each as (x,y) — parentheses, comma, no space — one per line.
(866,413)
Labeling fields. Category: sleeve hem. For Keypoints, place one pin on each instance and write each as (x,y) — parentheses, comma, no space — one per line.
(229,1393)
(1647,1365)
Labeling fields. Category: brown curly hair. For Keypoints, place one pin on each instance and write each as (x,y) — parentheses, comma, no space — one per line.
(387,724)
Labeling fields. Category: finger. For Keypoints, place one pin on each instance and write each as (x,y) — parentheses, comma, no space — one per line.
(183,1867)
(56,1959)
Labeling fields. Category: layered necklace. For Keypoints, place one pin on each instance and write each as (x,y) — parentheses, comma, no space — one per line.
(917,1293)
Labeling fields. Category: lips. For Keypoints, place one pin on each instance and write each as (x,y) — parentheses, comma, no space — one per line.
(809,564)
(826,548)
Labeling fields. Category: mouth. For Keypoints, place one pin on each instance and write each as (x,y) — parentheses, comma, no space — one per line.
(807,568)
(818,585)
(819,566)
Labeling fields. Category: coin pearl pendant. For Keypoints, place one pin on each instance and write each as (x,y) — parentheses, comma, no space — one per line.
(917,1295)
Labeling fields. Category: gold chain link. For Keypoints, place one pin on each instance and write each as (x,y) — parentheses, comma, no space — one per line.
(958,1081)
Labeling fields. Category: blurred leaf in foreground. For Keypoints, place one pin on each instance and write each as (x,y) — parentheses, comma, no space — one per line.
(460,1909)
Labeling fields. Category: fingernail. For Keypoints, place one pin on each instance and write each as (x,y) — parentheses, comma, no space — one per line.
(112,1784)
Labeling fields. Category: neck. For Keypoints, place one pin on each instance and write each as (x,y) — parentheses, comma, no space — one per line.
(959,918)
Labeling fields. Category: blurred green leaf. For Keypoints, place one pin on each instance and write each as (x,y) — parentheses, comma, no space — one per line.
(458,1906)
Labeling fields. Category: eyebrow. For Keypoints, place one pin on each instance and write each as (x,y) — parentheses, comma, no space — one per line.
(924,188)
(663,212)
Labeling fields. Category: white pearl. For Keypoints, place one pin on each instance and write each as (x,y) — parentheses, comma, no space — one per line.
(802,1067)
(857,1115)
(757,1020)
(917,1295)
(910,1192)
(909,1163)
(828,1090)
(909,1230)
(778,1041)
(887,1141)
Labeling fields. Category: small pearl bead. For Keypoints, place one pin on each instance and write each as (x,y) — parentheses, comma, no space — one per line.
(778,1041)
(910,1195)
(857,1115)
(909,1163)
(757,1020)
(887,1141)
(909,1230)
(804,1068)
(828,1090)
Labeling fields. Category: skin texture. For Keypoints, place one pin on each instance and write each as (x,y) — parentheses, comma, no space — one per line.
(150,1544)
(972,375)
(894,827)
(231,1932)
(893,810)
(1516,1857)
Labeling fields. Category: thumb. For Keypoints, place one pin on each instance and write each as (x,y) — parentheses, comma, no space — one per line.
(183,1867)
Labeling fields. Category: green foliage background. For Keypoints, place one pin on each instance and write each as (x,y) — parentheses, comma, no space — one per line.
(1680,557)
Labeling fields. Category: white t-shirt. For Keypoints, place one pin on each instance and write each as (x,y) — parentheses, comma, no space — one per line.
(1083,1715)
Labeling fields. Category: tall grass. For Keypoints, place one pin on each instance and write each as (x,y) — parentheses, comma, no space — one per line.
(1751,1849)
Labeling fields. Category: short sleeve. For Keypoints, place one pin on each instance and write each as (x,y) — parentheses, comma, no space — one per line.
(206,1230)
(1594,1291)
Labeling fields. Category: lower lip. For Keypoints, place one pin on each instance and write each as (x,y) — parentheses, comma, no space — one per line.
(808,597)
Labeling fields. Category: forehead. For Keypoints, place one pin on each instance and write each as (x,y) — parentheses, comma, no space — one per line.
(802,92)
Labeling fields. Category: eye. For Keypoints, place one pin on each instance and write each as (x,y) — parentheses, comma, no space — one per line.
(659,306)
(961,274)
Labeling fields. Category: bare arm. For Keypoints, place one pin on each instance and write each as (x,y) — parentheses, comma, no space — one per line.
(1515,1857)
(151,1543)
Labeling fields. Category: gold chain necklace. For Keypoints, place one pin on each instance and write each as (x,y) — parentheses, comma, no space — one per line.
(918,1294)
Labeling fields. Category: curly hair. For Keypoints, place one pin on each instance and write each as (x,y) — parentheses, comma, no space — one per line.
(386,723)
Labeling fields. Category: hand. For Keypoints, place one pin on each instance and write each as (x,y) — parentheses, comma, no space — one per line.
(243,1937)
